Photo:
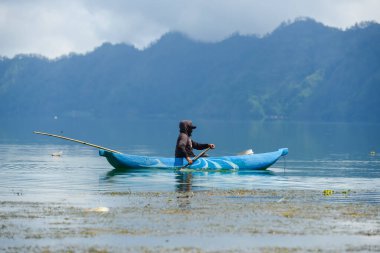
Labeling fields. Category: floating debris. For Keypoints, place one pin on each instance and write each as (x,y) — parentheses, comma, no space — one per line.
(101,209)
(331,192)
(246,152)
(59,153)
(328,192)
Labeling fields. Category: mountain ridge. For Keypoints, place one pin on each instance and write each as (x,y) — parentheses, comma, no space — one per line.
(301,71)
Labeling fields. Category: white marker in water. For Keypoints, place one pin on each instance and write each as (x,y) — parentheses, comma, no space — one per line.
(59,153)
(101,209)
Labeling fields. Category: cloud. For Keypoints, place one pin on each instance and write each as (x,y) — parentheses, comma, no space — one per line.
(54,28)
(46,28)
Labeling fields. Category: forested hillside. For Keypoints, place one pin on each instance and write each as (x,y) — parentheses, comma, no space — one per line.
(301,71)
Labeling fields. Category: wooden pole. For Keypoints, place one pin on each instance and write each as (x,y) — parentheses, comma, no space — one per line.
(78,141)
(196,158)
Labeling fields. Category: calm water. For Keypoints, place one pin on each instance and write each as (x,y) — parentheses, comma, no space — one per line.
(321,156)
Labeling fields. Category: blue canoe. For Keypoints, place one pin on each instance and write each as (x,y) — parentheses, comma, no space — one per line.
(239,162)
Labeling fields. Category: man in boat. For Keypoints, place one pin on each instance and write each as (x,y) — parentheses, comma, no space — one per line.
(185,144)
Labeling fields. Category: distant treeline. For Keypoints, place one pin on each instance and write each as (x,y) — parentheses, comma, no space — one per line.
(301,71)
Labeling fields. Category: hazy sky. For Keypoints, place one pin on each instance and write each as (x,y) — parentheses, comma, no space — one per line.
(53,28)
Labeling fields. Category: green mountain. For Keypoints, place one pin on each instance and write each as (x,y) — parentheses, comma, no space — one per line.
(301,71)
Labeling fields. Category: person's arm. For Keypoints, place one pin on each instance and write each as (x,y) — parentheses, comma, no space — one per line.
(189,160)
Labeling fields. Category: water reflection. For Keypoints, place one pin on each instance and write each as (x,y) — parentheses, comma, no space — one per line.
(183,181)
(257,173)
(115,172)
(183,187)
(186,181)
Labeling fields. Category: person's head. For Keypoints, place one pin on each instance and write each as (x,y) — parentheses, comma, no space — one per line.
(186,126)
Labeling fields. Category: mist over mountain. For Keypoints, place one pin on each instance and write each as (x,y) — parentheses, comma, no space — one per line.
(301,71)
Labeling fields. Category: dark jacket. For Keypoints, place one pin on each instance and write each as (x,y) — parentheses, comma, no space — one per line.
(185,144)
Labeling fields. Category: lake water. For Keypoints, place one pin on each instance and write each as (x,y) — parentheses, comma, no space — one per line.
(334,156)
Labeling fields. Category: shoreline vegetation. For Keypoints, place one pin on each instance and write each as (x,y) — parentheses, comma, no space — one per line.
(200,221)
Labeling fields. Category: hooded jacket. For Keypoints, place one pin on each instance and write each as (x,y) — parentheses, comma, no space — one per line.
(185,144)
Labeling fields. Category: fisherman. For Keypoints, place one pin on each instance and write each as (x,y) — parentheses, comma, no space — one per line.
(185,144)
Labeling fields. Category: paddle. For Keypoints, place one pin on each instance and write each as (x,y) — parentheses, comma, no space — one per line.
(196,158)
(81,142)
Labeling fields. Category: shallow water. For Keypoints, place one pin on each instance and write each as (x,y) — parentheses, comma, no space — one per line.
(324,196)
(321,156)
(30,172)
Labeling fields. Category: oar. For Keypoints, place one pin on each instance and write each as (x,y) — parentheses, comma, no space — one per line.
(196,158)
(78,141)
